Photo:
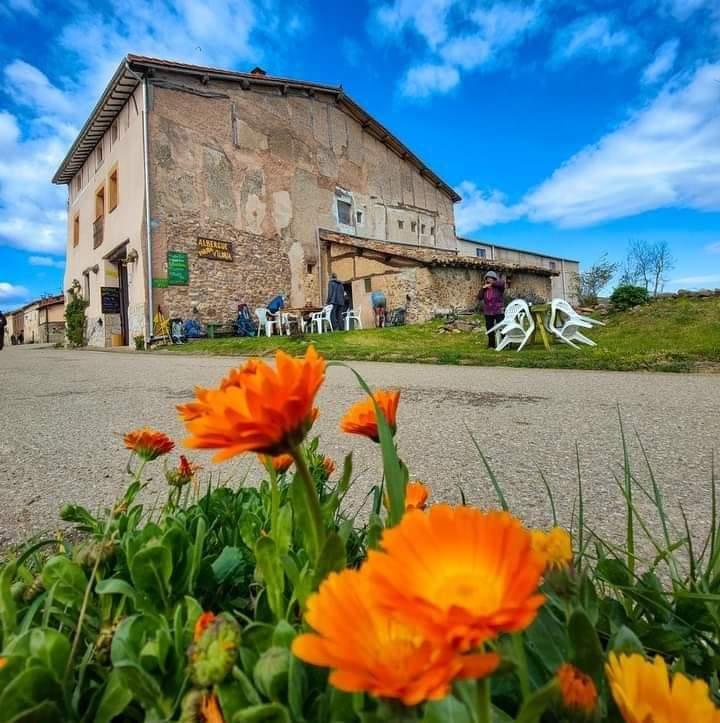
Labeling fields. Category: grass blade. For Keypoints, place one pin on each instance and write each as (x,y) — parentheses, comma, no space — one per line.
(630,530)
(491,474)
(550,497)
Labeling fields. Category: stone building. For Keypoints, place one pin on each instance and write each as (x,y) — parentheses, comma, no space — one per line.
(40,322)
(194,189)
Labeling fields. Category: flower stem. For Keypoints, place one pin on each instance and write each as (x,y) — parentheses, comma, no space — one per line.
(274,501)
(521,662)
(484,696)
(317,528)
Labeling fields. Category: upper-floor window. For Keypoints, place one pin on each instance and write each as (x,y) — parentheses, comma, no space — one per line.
(401,225)
(100,202)
(99,154)
(114,132)
(113,189)
(344,212)
(413,226)
(432,230)
(553,266)
(359,217)
(76,229)
(78,182)
(480,253)
(422,228)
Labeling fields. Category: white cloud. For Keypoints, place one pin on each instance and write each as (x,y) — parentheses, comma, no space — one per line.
(593,35)
(46,261)
(429,18)
(19,6)
(662,63)
(695,281)
(713,248)
(424,80)
(11,292)
(479,208)
(54,103)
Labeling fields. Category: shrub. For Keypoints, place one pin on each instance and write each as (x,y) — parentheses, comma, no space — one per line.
(231,604)
(75,316)
(626,296)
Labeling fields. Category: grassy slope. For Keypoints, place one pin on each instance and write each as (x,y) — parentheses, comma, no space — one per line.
(668,335)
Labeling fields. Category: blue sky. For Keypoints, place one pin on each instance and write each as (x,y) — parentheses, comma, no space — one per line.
(567,127)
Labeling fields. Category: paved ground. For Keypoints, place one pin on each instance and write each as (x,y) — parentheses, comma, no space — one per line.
(62,414)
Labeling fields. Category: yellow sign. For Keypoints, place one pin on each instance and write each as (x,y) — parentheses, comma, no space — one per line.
(209,248)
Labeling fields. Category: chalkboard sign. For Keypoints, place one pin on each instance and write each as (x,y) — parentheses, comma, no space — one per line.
(210,248)
(110,299)
(177,268)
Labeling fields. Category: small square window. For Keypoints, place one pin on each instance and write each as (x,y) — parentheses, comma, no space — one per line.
(310,268)
(368,284)
(413,226)
(344,213)
(359,217)
(480,253)
(401,225)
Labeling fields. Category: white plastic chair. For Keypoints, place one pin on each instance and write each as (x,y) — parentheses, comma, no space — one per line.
(289,319)
(565,323)
(322,318)
(517,326)
(353,315)
(268,320)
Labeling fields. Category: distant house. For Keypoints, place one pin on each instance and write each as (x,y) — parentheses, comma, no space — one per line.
(40,322)
(193,189)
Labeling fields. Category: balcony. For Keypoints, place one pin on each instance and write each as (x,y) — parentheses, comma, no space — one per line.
(98,231)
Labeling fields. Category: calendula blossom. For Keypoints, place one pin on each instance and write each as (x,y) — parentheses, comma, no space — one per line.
(577,690)
(555,546)
(202,623)
(646,693)
(461,575)
(361,418)
(281,463)
(256,408)
(416,495)
(148,444)
(183,474)
(368,650)
(328,465)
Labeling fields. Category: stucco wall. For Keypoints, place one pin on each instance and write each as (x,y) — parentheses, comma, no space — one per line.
(273,165)
(124,223)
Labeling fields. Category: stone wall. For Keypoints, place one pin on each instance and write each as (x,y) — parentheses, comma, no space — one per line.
(260,268)
(52,332)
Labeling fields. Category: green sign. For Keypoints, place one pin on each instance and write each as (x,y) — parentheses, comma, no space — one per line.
(177,268)
(159,283)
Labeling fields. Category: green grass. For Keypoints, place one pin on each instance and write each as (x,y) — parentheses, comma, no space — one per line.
(675,335)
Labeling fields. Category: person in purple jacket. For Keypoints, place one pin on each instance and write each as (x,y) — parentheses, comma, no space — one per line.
(491,295)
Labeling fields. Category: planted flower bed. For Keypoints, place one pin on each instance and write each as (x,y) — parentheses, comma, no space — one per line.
(270,604)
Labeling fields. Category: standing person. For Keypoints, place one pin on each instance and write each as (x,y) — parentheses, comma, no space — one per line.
(336,298)
(491,294)
(3,324)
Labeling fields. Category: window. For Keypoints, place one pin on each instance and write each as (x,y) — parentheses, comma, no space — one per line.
(368,284)
(99,155)
(76,229)
(78,182)
(114,132)
(100,202)
(113,190)
(480,253)
(401,225)
(359,217)
(422,228)
(99,223)
(310,268)
(86,285)
(552,266)
(432,230)
(344,213)
(413,226)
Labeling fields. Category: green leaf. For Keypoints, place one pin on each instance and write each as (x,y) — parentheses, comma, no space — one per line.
(537,704)
(447,710)
(625,641)
(615,572)
(374,531)
(150,571)
(247,688)
(33,687)
(268,713)
(116,586)
(332,558)
(284,634)
(344,482)
(270,565)
(8,609)
(297,687)
(283,534)
(47,647)
(303,520)
(587,653)
(587,597)
(115,698)
(67,578)
(227,564)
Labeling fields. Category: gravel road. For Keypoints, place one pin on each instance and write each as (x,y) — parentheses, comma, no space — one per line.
(62,414)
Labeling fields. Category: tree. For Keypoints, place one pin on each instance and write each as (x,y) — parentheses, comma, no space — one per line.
(647,263)
(590,282)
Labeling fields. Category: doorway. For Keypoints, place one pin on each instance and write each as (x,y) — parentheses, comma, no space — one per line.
(118,257)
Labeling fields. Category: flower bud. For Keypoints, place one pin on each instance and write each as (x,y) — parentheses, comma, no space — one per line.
(271,672)
(215,651)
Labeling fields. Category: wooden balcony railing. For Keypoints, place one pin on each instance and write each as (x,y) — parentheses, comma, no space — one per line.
(98,231)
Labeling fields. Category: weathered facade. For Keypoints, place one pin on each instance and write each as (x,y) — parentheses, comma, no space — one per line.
(194,189)
(40,322)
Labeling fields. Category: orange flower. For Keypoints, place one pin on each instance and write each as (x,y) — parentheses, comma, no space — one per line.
(3,663)
(360,418)
(644,691)
(329,465)
(416,495)
(371,651)
(256,408)
(280,463)
(462,575)
(210,709)
(148,443)
(555,547)
(577,690)
(201,624)
(185,472)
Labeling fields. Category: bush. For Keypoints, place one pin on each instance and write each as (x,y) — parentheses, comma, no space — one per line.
(75,316)
(627,295)
(228,604)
